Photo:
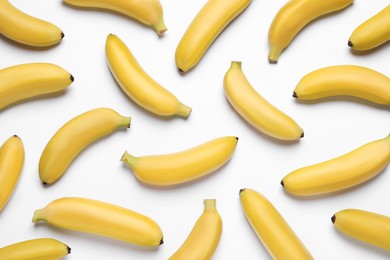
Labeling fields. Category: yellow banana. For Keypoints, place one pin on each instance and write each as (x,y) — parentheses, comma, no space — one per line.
(369,227)
(341,172)
(255,109)
(372,33)
(25,29)
(292,17)
(184,166)
(73,137)
(101,218)
(35,249)
(137,84)
(211,20)
(11,164)
(24,81)
(274,232)
(149,12)
(204,237)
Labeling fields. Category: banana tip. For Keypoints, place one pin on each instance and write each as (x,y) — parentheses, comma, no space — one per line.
(241,190)
(71,77)
(272,61)
(282,183)
(333,219)
(350,44)
(69,249)
(303,134)
(45,184)
(295,95)
(62,35)
(161,241)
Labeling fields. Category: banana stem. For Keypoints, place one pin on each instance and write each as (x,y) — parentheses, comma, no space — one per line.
(129,160)
(38,215)
(274,54)
(209,204)
(125,121)
(184,111)
(160,27)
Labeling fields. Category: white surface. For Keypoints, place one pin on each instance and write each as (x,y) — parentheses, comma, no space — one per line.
(331,128)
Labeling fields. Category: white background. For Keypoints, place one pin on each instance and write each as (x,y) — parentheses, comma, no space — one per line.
(331,128)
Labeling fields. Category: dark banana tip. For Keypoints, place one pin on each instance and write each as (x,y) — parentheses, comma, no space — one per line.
(295,95)
(333,219)
(272,61)
(303,134)
(69,249)
(282,183)
(241,190)
(62,35)
(237,138)
(45,183)
(350,44)
(71,77)
(161,241)
(16,136)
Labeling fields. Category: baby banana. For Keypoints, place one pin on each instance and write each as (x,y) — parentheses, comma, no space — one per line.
(344,80)
(149,12)
(204,237)
(372,33)
(137,84)
(73,137)
(101,218)
(292,17)
(211,20)
(274,232)
(24,81)
(181,167)
(341,172)
(11,164)
(366,226)
(35,249)
(25,29)
(255,109)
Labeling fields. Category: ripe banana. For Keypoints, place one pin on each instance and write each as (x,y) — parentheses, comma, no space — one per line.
(24,81)
(11,164)
(137,84)
(149,12)
(211,20)
(372,33)
(274,232)
(341,172)
(73,137)
(292,17)
(367,226)
(204,237)
(184,166)
(101,218)
(35,249)
(255,109)
(344,80)
(25,29)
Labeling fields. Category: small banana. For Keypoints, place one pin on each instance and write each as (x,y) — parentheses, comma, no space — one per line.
(274,232)
(24,81)
(149,12)
(73,137)
(211,20)
(101,218)
(25,29)
(255,109)
(137,84)
(292,17)
(341,172)
(11,164)
(204,237)
(35,249)
(344,80)
(372,33)
(184,166)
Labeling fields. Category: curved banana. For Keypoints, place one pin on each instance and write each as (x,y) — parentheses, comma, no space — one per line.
(101,218)
(137,84)
(366,226)
(204,237)
(344,80)
(274,232)
(73,137)
(35,249)
(25,29)
(149,12)
(24,81)
(211,20)
(341,172)
(184,166)
(11,164)
(372,33)
(255,109)
(291,19)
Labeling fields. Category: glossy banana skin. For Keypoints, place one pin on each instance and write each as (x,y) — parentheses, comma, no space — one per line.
(370,227)
(204,237)
(292,17)
(255,109)
(274,232)
(340,173)
(101,218)
(25,29)
(184,166)
(211,20)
